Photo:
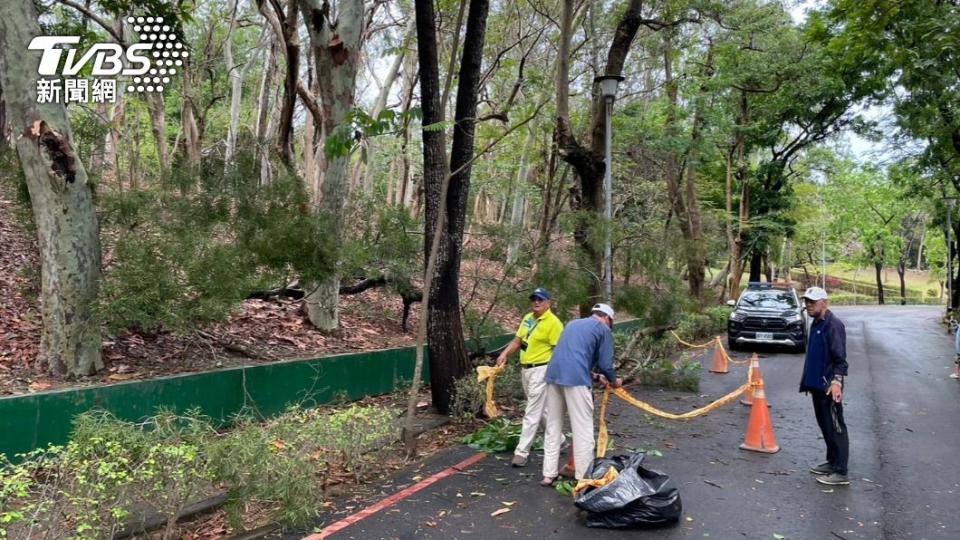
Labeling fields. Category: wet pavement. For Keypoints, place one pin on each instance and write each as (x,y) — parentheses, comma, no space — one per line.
(901,409)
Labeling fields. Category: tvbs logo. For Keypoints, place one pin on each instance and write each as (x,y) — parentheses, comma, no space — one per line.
(148,64)
(108,58)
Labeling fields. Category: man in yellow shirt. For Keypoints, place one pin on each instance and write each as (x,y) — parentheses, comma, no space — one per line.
(538,334)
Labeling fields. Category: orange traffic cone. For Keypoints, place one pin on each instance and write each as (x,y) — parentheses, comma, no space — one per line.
(754,376)
(719,359)
(760,437)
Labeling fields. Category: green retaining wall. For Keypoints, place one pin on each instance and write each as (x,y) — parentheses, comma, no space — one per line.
(32,421)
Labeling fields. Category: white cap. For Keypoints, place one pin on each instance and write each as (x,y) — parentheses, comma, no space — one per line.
(815,293)
(603,308)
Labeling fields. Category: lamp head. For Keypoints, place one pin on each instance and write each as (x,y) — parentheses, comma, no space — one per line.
(608,85)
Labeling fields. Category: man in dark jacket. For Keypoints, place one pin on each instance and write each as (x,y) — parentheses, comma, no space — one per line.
(823,372)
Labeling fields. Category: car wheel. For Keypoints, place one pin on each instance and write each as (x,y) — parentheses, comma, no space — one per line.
(801,348)
(732,345)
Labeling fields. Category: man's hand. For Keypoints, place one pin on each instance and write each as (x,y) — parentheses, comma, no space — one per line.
(615,384)
(501,361)
(836,392)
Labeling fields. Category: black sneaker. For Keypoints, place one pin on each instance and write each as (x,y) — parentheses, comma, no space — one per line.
(834,479)
(823,468)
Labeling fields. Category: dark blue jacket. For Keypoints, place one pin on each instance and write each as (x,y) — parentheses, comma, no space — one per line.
(826,353)
(586,345)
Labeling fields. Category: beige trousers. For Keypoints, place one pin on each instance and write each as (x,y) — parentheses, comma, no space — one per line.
(536,391)
(578,402)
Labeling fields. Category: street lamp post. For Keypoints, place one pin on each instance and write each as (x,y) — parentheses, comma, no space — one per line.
(608,91)
(950,202)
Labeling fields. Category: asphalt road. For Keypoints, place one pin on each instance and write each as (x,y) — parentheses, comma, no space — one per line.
(901,409)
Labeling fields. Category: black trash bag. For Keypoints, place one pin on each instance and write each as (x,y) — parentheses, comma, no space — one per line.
(639,497)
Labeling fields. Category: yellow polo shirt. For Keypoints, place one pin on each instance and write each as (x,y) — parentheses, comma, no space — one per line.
(540,343)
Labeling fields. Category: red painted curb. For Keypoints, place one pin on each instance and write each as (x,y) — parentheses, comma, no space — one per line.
(394,499)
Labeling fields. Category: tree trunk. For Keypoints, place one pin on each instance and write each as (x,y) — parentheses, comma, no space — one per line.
(519,199)
(448,354)
(291,43)
(191,133)
(62,202)
(740,239)
(158,126)
(404,190)
(901,270)
(755,266)
(4,141)
(879,267)
(236,75)
(336,54)
(686,204)
(262,118)
(923,237)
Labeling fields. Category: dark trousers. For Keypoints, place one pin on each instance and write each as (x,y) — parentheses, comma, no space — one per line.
(834,430)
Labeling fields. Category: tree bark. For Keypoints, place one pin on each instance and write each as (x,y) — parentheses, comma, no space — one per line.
(158,126)
(188,119)
(448,354)
(901,270)
(291,43)
(879,268)
(62,202)
(262,130)
(4,141)
(336,52)
(236,88)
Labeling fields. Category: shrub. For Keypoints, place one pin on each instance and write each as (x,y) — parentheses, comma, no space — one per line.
(468,397)
(353,432)
(256,465)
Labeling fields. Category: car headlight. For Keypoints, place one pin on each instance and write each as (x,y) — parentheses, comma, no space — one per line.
(792,318)
(736,316)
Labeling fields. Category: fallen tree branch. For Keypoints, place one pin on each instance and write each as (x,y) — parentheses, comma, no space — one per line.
(237,347)
(643,332)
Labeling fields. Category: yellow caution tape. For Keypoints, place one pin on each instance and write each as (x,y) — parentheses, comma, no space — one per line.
(691,345)
(489,374)
(602,439)
(584,483)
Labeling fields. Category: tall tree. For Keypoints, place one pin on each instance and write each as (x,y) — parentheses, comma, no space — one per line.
(914,45)
(448,354)
(587,159)
(62,202)
(336,37)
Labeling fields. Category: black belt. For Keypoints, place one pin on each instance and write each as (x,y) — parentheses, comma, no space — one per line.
(528,366)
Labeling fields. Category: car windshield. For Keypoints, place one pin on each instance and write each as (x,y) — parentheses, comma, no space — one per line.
(768,299)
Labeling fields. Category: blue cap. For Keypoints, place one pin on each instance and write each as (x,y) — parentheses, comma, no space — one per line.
(540,293)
